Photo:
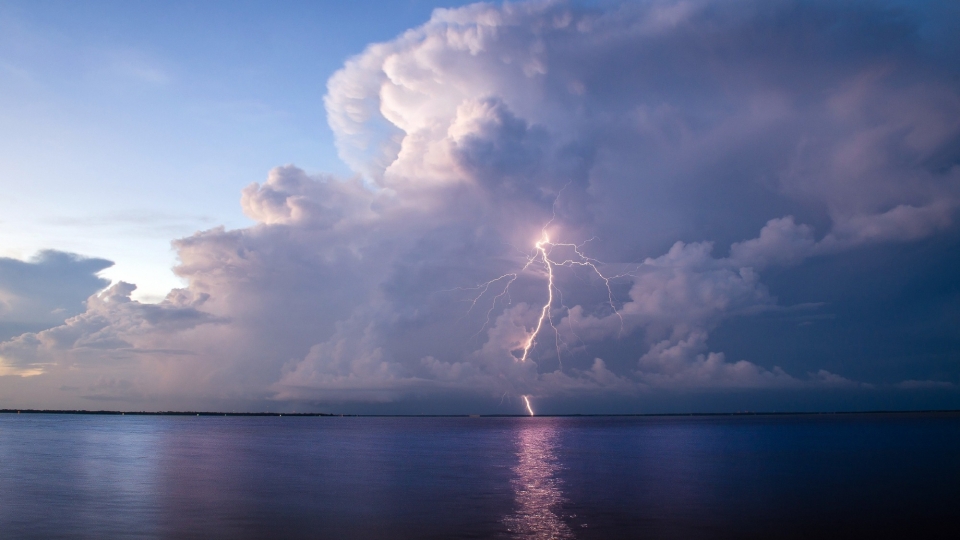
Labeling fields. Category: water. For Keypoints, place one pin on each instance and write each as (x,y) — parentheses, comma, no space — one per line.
(863,476)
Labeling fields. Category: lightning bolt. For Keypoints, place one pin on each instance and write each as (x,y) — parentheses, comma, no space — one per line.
(542,256)
(545,310)
(543,250)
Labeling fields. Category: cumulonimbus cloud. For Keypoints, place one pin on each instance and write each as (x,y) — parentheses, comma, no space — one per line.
(689,145)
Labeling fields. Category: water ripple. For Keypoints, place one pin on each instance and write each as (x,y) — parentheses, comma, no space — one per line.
(536,486)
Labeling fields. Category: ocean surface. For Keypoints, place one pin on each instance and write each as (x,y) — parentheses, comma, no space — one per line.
(816,476)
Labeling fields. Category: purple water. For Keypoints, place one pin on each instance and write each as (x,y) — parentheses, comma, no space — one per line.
(838,476)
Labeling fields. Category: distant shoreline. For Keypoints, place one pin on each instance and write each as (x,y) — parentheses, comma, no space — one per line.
(700,414)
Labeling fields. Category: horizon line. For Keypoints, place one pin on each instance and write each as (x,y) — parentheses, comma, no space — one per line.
(572,415)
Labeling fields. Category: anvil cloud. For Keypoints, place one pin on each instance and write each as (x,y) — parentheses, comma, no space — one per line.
(693,147)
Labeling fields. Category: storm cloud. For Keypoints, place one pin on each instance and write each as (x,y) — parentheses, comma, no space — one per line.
(722,165)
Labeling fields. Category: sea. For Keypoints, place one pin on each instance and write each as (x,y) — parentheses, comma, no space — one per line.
(685,477)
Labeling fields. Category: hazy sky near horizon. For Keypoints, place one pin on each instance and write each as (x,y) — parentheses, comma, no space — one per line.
(744,205)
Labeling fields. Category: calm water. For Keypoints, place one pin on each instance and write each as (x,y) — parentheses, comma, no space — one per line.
(367,478)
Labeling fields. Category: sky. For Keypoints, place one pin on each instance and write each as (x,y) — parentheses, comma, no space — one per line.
(425,207)
(129,124)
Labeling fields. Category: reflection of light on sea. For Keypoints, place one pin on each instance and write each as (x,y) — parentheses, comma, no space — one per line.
(535,485)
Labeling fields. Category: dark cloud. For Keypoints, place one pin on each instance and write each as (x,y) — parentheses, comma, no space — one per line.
(887,313)
(46,290)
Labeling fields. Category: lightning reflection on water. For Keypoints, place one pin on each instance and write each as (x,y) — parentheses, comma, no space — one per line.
(537,490)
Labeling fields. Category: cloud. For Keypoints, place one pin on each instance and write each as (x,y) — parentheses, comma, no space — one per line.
(686,149)
(686,363)
(47,289)
(926,385)
(112,328)
(289,196)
